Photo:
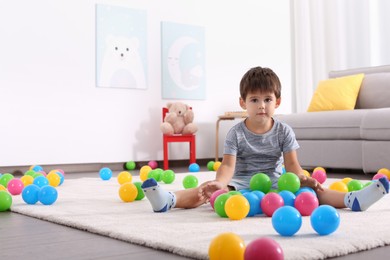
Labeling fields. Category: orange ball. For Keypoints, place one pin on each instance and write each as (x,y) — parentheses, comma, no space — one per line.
(319,169)
(27,180)
(128,192)
(339,186)
(385,171)
(307,173)
(124,177)
(216,166)
(227,246)
(54,179)
(237,207)
(144,171)
(346,180)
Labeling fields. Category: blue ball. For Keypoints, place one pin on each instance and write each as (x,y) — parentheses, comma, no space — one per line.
(325,220)
(194,167)
(305,189)
(243,191)
(287,221)
(30,194)
(105,173)
(41,181)
(61,177)
(47,195)
(260,195)
(254,203)
(288,197)
(37,168)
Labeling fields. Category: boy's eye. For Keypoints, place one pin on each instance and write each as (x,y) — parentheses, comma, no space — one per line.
(267,100)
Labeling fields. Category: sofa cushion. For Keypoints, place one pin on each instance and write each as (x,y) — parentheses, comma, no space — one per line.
(374,91)
(326,125)
(376,124)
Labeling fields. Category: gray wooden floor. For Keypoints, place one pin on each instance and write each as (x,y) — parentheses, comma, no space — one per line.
(23,237)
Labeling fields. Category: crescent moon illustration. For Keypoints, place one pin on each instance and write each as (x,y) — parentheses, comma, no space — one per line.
(174,58)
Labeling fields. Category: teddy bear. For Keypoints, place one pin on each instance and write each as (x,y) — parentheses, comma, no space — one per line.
(178,120)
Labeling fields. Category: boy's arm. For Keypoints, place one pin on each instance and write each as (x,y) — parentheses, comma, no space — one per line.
(226,170)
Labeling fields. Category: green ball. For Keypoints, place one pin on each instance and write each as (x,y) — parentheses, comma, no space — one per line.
(219,204)
(130,165)
(289,181)
(168,176)
(261,182)
(210,165)
(5,201)
(234,192)
(5,178)
(190,181)
(354,185)
(141,193)
(30,172)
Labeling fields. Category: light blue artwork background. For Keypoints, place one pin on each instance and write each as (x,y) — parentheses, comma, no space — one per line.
(116,21)
(183,61)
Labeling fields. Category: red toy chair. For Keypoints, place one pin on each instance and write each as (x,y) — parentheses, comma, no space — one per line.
(177,138)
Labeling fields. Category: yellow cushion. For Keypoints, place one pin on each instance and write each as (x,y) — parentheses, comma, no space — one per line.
(336,94)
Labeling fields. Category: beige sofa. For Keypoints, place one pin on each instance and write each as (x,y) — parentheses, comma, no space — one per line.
(348,139)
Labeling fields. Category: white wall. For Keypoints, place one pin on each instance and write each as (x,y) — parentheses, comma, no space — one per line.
(52,113)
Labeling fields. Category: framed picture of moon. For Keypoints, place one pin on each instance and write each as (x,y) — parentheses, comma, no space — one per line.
(120,47)
(183,61)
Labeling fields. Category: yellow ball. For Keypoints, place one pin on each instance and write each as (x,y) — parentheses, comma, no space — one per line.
(319,169)
(237,207)
(27,180)
(144,171)
(385,171)
(124,177)
(339,186)
(2,188)
(305,172)
(346,180)
(227,246)
(54,179)
(128,192)
(216,166)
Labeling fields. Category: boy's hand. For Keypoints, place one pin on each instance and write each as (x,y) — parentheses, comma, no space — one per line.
(310,182)
(208,188)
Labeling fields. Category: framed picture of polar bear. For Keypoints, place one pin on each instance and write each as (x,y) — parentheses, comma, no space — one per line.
(121,55)
(183,61)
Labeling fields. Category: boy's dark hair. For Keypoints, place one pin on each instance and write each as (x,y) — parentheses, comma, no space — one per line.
(260,79)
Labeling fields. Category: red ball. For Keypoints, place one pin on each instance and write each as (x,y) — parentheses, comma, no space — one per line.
(263,248)
(305,203)
(271,202)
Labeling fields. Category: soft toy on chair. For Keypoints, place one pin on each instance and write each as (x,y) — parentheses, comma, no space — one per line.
(178,120)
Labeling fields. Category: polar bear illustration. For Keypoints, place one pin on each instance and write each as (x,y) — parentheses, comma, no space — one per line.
(122,64)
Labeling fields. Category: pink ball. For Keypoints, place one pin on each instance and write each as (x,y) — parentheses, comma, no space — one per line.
(153,164)
(263,248)
(271,202)
(378,176)
(15,186)
(61,171)
(319,175)
(215,195)
(305,203)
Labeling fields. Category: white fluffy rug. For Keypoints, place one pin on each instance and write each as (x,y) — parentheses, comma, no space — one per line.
(93,205)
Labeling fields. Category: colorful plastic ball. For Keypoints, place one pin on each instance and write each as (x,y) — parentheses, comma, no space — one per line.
(141,193)
(53,178)
(263,248)
(27,180)
(144,171)
(378,176)
(62,178)
(305,203)
(289,181)
(194,167)
(15,186)
(168,176)
(215,195)
(271,202)
(36,168)
(288,197)
(325,220)
(105,173)
(306,173)
(260,195)
(227,246)
(286,221)
(5,178)
(305,189)
(219,205)
(3,188)
(254,203)
(216,165)
(5,201)
(157,174)
(190,181)
(30,173)
(210,165)
(237,207)
(346,180)
(235,192)
(339,186)
(243,191)
(354,185)
(319,175)
(385,171)
(153,164)
(319,169)
(124,177)
(130,165)
(47,195)
(30,194)
(41,181)
(261,182)
(128,192)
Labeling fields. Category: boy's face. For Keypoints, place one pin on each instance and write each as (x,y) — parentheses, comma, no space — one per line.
(260,105)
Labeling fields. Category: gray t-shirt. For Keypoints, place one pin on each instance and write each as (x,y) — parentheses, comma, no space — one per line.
(257,153)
